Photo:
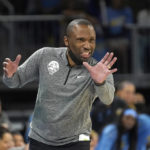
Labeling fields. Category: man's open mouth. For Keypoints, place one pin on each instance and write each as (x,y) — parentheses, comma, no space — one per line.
(85,55)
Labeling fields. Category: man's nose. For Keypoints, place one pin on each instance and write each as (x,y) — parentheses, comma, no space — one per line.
(86,45)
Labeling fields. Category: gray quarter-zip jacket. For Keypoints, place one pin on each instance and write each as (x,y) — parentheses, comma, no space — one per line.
(65,95)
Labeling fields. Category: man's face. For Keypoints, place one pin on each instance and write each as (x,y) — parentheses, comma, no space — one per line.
(6,142)
(18,139)
(127,93)
(81,41)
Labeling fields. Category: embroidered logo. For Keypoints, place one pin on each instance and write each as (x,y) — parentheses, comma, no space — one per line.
(80,77)
(53,67)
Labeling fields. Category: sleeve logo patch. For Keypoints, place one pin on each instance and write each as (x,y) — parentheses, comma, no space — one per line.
(53,67)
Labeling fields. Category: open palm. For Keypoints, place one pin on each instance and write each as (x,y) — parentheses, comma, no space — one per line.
(102,69)
(10,67)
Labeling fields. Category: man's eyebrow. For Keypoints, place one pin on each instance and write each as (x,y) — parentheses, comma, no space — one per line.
(93,38)
(80,38)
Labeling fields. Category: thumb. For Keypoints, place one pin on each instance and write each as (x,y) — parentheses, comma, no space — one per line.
(87,66)
(18,58)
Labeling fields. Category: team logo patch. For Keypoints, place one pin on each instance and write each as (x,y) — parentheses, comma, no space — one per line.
(53,67)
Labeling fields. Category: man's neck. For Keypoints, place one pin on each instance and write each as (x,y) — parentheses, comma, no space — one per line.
(70,61)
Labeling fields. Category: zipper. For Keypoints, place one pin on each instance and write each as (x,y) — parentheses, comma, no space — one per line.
(67,76)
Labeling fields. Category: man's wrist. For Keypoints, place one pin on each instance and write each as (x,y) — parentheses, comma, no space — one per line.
(99,84)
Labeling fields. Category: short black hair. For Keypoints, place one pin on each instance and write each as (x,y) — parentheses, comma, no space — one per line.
(16,133)
(77,22)
(122,85)
(3,131)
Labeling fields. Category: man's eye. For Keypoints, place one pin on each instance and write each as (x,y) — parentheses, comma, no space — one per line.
(81,39)
(92,40)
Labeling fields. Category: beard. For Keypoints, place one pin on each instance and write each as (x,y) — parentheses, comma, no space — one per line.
(76,60)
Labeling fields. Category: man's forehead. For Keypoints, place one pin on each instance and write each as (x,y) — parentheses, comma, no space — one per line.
(77,29)
(129,86)
(82,26)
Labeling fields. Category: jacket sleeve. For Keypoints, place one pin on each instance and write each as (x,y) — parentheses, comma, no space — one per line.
(143,131)
(27,72)
(106,91)
(108,138)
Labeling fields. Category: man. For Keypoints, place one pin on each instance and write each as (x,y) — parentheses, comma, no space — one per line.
(61,118)
(126,91)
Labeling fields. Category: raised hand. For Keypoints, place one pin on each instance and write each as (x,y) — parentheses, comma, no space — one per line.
(10,67)
(102,69)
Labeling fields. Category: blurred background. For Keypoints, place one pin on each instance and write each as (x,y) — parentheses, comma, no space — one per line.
(122,26)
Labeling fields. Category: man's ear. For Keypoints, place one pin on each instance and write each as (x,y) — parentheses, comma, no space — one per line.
(66,41)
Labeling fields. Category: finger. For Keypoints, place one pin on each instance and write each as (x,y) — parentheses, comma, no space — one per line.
(112,62)
(87,66)
(7,73)
(104,58)
(17,60)
(5,64)
(5,70)
(7,60)
(113,70)
(109,58)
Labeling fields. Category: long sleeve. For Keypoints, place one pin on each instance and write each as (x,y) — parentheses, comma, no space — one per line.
(27,72)
(108,138)
(106,91)
(143,131)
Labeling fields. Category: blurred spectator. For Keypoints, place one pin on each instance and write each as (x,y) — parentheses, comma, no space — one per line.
(52,27)
(94,140)
(4,39)
(77,9)
(140,103)
(70,9)
(139,98)
(4,120)
(126,91)
(94,10)
(3,33)
(44,7)
(143,20)
(94,7)
(74,8)
(117,36)
(18,140)
(6,139)
(130,133)
(102,115)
